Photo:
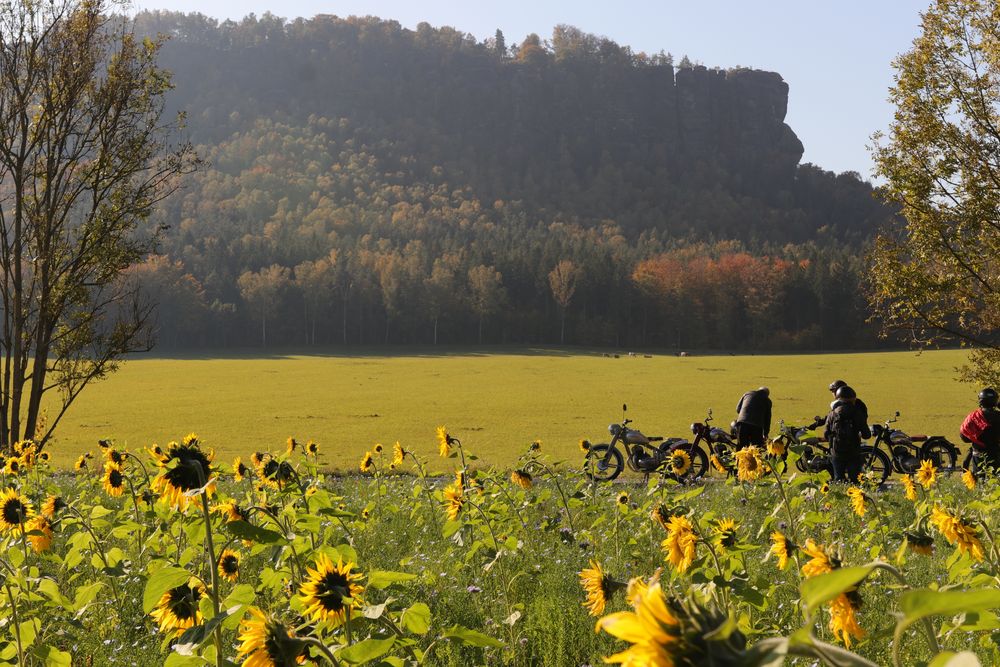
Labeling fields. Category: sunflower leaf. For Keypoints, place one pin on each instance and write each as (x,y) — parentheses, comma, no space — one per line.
(471,637)
(159,583)
(248,531)
(416,619)
(820,589)
(384,579)
(366,650)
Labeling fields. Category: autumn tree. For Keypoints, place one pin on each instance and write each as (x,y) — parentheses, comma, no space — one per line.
(562,281)
(85,157)
(487,293)
(263,291)
(936,276)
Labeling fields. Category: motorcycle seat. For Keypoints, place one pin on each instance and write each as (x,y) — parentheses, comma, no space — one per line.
(918,438)
(655,438)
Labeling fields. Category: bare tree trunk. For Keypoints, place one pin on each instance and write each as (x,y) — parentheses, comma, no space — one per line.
(562,327)
(435,329)
(480,329)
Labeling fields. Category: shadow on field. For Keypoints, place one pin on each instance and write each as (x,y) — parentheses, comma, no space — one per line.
(386,352)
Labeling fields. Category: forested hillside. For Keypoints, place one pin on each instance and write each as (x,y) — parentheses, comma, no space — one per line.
(367,183)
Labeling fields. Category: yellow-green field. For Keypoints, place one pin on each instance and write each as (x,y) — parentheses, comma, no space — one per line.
(496,403)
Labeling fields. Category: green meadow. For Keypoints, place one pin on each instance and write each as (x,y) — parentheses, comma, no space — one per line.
(496,402)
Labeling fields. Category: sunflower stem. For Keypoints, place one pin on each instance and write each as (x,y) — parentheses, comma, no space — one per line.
(322,648)
(17,624)
(213,571)
(99,550)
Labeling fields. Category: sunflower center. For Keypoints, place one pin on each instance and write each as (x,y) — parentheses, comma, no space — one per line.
(184,602)
(332,590)
(230,564)
(14,511)
(115,478)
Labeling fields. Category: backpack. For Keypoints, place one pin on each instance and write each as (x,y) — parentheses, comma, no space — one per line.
(841,424)
(974,427)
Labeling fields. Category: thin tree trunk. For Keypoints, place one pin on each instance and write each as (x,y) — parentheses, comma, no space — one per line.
(562,327)
(480,329)
(435,330)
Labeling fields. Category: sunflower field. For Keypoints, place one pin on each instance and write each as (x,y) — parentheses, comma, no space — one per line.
(166,556)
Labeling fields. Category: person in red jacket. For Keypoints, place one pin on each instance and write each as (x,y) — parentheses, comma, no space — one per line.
(982,429)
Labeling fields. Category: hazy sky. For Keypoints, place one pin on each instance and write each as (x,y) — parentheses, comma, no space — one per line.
(835,56)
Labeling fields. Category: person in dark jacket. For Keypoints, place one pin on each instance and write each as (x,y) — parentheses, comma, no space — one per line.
(846,425)
(858,403)
(986,450)
(754,420)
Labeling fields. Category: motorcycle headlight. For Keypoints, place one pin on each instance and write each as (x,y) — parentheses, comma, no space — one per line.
(613,429)
(694,428)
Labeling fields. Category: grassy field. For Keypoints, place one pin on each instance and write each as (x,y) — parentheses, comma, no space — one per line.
(496,402)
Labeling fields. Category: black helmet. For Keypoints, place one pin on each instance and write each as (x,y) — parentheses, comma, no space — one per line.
(988,398)
(837,384)
(845,393)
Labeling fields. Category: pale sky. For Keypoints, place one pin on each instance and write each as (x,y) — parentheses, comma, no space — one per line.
(835,56)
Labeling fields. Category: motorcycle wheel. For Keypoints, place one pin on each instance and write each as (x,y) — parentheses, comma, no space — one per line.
(600,470)
(941,452)
(875,460)
(699,462)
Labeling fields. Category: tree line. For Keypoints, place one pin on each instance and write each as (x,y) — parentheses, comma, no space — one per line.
(370,184)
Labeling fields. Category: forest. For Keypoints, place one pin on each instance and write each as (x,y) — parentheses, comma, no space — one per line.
(364,183)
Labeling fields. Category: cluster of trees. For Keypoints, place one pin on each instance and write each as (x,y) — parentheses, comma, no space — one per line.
(372,184)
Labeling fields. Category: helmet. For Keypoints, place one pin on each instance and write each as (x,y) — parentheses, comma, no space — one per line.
(845,393)
(837,384)
(988,398)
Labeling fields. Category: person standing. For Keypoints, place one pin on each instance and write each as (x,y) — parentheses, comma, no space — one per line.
(858,403)
(982,429)
(754,418)
(846,425)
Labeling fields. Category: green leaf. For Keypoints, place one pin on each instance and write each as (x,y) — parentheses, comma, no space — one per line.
(196,636)
(178,660)
(450,528)
(366,650)
(825,587)
(248,531)
(919,604)
(53,657)
(384,579)
(160,582)
(416,619)
(471,637)
(28,631)
(949,659)
(86,594)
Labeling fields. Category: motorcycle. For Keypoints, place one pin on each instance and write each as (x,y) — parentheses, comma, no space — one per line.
(906,456)
(720,442)
(605,461)
(815,455)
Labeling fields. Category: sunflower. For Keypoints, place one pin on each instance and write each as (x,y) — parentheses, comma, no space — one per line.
(680,542)
(52,505)
(781,548)
(725,533)
(749,465)
(398,454)
(920,543)
(267,642)
(680,462)
(312,448)
(81,463)
(114,480)
(156,453)
(367,462)
(598,586)
(718,464)
(843,617)
(958,532)
(229,564)
(857,500)
(184,467)
(240,470)
(776,448)
(820,561)
(231,511)
(454,500)
(329,590)
(39,533)
(969,480)
(522,478)
(114,456)
(13,466)
(377,448)
(825,489)
(258,458)
(15,510)
(291,444)
(444,441)
(623,498)
(911,489)
(535,446)
(661,515)
(178,609)
(584,446)
(927,474)
(44,457)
